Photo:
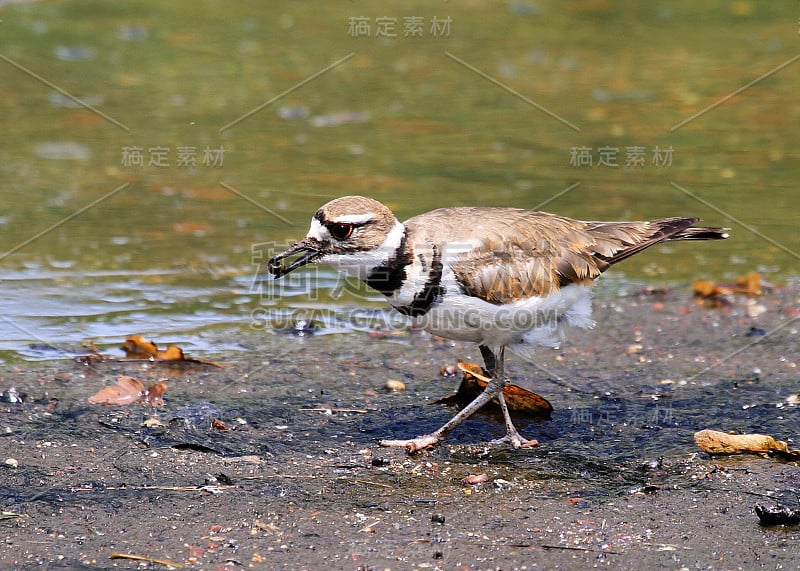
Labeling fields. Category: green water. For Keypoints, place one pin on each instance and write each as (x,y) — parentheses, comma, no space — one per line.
(282,106)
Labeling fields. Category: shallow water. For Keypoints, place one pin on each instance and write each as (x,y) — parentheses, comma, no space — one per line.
(154,155)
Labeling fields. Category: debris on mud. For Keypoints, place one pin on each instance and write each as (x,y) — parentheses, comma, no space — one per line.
(144,559)
(777,515)
(394,385)
(12,396)
(750,285)
(715,442)
(129,391)
(138,349)
(519,400)
(475,479)
(272,461)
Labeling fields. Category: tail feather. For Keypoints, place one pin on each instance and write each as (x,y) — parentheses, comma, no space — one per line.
(633,237)
(701,233)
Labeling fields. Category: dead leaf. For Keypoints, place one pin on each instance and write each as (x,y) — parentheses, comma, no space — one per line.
(171,353)
(518,400)
(708,289)
(89,344)
(750,285)
(128,391)
(137,347)
(153,395)
(715,442)
(217,424)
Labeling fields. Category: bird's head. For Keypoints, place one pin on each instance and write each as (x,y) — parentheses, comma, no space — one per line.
(353,233)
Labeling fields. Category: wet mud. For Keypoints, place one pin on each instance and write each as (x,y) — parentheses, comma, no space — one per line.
(273,462)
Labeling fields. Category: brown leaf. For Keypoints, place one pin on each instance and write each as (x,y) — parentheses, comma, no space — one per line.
(154,394)
(171,353)
(708,289)
(128,391)
(518,400)
(749,284)
(217,424)
(716,442)
(137,347)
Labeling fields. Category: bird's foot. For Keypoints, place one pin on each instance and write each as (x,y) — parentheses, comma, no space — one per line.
(516,440)
(414,444)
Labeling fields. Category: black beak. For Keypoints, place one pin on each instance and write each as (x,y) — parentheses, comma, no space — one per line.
(310,253)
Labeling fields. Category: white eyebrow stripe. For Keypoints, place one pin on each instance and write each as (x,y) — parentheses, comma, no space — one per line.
(354,218)
(318,231)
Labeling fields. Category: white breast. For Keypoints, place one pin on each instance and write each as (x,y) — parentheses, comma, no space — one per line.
(521,326)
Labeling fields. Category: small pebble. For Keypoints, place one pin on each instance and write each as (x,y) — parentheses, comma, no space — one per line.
(756,309)
(392,385)
(12,396)
(12,463)
(501,483)
(474,479)
(449,371)
(303,327)
(437,518)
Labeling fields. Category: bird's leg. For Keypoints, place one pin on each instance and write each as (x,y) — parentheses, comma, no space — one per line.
(495,366)
(498,364)
(490,360)
(492,390)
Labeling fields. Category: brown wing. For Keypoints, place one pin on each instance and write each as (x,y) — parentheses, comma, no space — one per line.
(525,253)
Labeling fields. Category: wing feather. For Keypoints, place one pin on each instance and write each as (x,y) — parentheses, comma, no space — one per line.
(503,254)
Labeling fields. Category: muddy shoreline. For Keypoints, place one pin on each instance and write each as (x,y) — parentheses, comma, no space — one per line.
(293,478)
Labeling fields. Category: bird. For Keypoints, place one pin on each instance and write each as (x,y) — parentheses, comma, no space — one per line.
(501,277)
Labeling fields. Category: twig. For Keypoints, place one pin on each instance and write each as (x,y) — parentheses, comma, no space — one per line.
(332,410)
(9,515)
(368,528)
(477,375)
(666,546)
(574,548)
(205,488)
(382,485)
(166,562)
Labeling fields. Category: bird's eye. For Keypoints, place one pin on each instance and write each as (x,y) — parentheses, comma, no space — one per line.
(341,231)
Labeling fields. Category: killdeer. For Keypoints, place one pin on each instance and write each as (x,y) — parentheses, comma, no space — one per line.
(499,277)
